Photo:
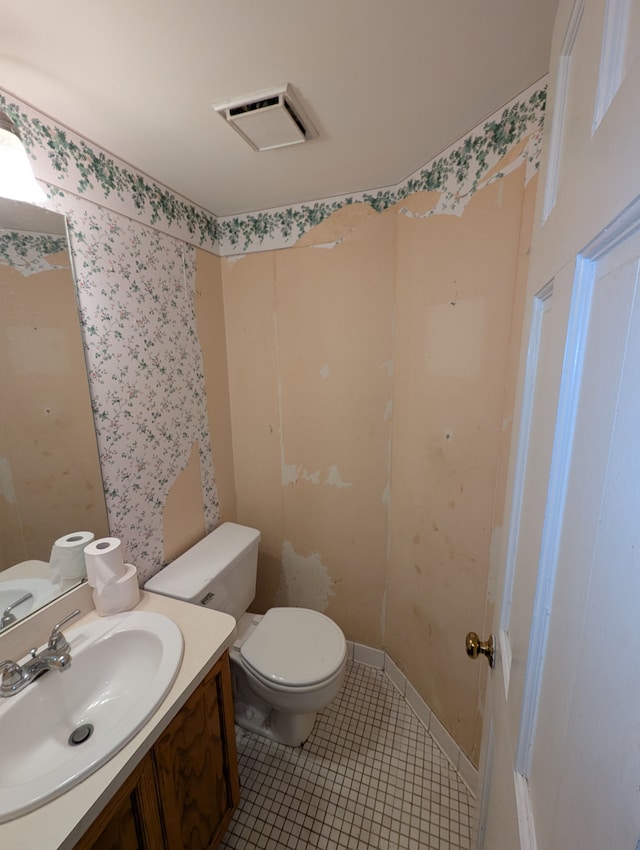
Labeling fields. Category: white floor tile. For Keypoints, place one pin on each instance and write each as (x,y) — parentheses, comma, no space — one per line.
(369,776)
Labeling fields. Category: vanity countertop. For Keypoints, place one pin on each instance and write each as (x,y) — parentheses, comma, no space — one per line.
(60,823)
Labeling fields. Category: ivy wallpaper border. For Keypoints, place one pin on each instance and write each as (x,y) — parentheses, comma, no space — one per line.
(457,173)
(65,161)
(26,252)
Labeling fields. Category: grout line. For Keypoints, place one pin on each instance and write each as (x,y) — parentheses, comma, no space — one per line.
(381,660)
(370,775)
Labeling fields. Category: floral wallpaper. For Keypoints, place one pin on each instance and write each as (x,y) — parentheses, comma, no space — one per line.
(136,289)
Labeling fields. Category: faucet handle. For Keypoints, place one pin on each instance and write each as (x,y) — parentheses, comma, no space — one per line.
(57,640)
(7,618)
(12,676)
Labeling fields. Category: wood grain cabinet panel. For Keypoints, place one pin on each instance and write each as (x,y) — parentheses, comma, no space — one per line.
(183,795)
(194,761)
(131,821)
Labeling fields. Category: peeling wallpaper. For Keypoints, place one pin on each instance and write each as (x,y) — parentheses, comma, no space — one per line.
(68,163)
(136,291)
(134,245)
(134,256)
(457,174)
(28,252)
(371,342)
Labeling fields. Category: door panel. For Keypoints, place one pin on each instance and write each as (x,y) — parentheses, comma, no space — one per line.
(537,443)
(562,767)
(605,352)
(599,787)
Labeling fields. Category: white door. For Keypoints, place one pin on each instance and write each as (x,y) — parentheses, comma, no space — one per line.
(561,751)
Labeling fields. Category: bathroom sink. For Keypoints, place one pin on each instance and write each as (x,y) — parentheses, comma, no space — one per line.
(65,725)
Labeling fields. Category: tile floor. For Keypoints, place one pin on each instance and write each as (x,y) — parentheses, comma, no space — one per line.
(369,776)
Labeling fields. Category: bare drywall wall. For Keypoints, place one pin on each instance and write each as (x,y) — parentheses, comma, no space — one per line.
(371,374)
(310,344)
(50,480)
(456,291)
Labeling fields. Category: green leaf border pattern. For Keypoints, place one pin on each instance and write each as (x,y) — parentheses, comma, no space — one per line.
(64,160)
(27,252)
(457,173)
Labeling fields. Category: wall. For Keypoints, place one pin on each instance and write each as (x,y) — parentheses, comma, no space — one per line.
(368,342)
(148,289)
(310,347)
(458,327)
(50,477)
(371,349)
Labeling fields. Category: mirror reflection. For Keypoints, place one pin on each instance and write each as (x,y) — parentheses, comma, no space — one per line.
(50,480)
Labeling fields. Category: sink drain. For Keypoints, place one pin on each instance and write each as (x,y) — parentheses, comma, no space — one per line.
(81,734)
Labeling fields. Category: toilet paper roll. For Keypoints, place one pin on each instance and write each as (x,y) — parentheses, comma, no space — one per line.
(123,594)
(104,561)
(66,562)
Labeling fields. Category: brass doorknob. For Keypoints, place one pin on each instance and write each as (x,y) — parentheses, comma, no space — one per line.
(475,647)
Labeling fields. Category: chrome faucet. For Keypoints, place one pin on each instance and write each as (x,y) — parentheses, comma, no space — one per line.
(54,656)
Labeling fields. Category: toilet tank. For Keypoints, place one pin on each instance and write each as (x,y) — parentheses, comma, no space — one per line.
(219,571)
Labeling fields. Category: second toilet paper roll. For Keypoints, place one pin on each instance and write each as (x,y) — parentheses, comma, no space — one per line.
(104,562)
(66,562)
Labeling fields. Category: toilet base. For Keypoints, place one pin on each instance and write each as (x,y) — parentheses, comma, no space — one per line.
(292,730)
(255,715)
(266,711)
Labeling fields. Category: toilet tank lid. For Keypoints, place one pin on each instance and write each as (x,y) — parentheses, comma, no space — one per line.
(208,560)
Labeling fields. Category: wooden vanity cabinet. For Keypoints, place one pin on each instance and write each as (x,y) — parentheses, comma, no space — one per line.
(196,767)
(132,819)
(183,793)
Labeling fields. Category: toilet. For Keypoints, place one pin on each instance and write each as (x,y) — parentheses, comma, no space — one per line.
(287,664)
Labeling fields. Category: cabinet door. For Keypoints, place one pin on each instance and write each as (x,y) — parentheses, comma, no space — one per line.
(196,766)
(131,821)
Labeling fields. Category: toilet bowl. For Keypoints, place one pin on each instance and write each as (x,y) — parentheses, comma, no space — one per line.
(287,664)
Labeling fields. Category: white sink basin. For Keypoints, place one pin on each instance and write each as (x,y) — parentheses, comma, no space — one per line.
(122,668)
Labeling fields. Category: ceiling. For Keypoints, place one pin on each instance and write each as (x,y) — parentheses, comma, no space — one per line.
(388,85)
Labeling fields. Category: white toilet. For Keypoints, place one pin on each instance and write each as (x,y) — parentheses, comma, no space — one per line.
(287,664)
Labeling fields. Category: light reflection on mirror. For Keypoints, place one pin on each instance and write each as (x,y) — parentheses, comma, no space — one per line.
(50,479)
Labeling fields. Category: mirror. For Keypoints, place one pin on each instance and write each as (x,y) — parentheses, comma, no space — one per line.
(50,478)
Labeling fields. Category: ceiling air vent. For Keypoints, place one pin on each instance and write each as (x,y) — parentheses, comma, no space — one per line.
(266,120)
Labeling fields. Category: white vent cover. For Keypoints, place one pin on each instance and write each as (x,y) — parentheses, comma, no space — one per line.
(270,119)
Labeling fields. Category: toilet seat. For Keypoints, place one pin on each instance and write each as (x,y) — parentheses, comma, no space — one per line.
(295,648)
